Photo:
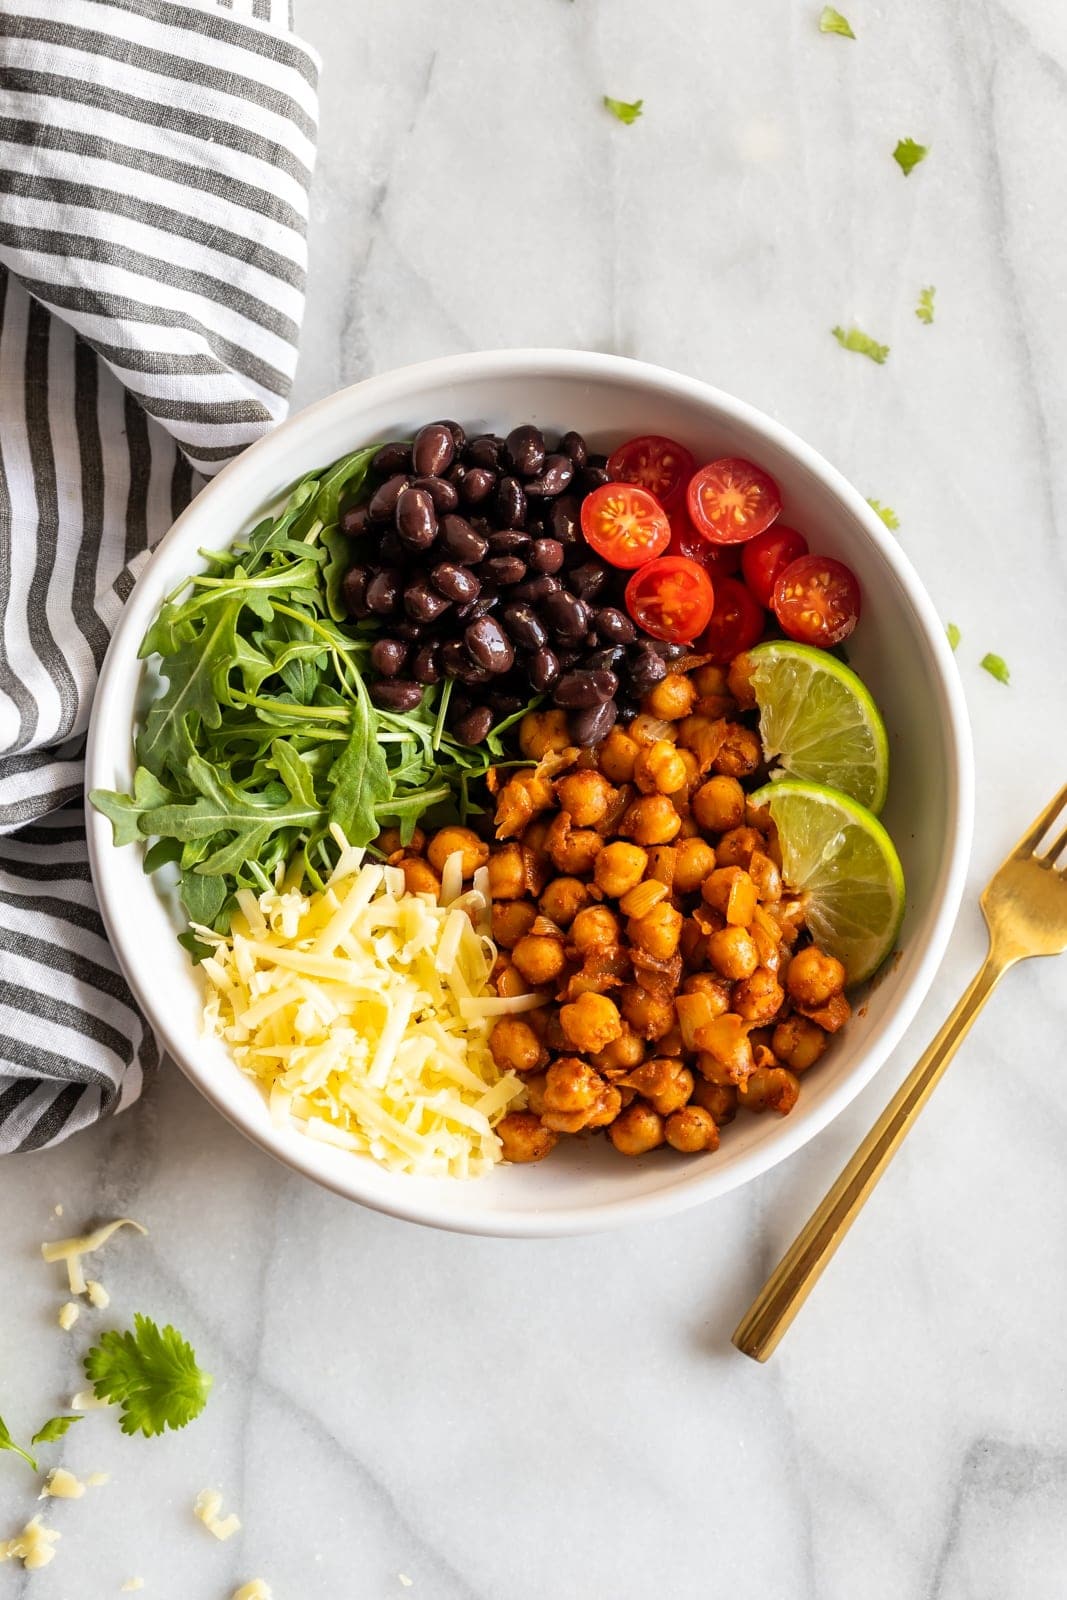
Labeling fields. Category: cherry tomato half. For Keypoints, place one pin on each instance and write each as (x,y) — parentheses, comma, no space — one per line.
(624,524)
(732,500)
(718,560)
(736,622)
(654,463)
(768,554)
(671,598)
(817,601)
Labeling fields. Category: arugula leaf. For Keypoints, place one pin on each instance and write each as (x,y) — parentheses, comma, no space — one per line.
(831,21)
(8,1443)
(908,154)
(53,1429)
(954,635)
(152,1374)
(996,666)
(626,110)
(887,514)
(861,343)
(360,775)
(124,811)
(925,308)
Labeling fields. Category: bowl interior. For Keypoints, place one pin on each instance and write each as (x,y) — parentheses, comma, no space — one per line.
(899,650)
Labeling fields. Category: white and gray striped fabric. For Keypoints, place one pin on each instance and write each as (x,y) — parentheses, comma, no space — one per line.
(155,159)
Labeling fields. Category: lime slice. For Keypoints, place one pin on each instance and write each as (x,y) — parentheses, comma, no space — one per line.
(840,857)
(818,721)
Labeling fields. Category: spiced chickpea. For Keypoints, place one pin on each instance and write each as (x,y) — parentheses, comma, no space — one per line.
(700,736)
(732,893)
(694,861)
(710,679)
(725,1049)
(739,681)
(659,769)
(594,929)
(574,850)
(692,773)
(716,988)
(591,1022)
(769,1089)
(662,864)
(623,1053)
(617,755)
(664,1083)
(646,1013)
(813,978)
(510,982)
(832,1015)
(534,1085)
(719,804)
(523,1137)
(572,1085)
(534,836)
(512,919)
(515,1047)
(542,733)
(672,698)
(736,848)
(718,1099)
(691,1129)
(619,868)
(758,998)
(562,900)
(539,957)
(419,876)
(651,820)
(585,796)
(606,1109)
(732,951)
(474,852)
(766,876)
(798,1042)
(519,801)
(657,932)
(390,843)
(740,752)
(637,1129)
(507,873)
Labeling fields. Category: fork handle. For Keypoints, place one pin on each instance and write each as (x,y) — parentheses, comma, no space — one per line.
(768,1317)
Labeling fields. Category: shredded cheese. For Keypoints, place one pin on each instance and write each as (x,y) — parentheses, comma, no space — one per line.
(34,1546)
(62,1485)
(98,1295)
(364,1013)
(207,1506)
(86,1400)
(131,1584)
(405,1580)
(96,1480)
(57,1211)
(72,1250)
(256,1590)
(69,1312)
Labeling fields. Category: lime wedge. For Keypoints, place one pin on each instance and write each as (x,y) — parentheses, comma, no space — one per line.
(840,857)
(818,721)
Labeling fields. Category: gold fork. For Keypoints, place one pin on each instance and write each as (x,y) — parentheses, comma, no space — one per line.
(1025,907)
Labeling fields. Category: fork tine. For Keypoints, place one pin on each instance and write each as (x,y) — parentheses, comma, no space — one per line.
(1034,834)
(1055,849)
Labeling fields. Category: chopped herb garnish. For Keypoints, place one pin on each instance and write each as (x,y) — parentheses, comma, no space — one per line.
(8,1443)
(861,343)
(925,309)
(53,1429)
(997,667)
(908,154)
(954,635)
(626,110)
(887,514)
(831,21)
(152,1374)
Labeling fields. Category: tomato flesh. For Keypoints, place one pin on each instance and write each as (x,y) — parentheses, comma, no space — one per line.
(624,524)
(671,598)
(768,554)
(717,560)
(817,601)
(654,463)
(736,622)
(732,500)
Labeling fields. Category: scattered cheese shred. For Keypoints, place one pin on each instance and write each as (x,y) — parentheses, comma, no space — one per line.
(62,1485)
(98,1295)
(72,1250)
(34,1546)
(405,1580)
(69,1312)
(86,1400)
(57,1211)
(256,1590)
(96,1480)
(364,1012)
(131,1584)
(207,1506)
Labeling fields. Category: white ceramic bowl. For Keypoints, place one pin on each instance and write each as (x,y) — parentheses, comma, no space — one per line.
(899,649)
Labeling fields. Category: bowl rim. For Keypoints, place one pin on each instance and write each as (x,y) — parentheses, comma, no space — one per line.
(398,385)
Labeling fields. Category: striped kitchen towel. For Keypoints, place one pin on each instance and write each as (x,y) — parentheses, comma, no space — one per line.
(155,159)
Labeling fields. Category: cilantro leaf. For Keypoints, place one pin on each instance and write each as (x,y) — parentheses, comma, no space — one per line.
(925,308)
(626,110)
(887,514)
(996,666)
(53,1429)
(908,154)
(861,343)
(954,635)
(831,21)
(151,1373)
(8,1443)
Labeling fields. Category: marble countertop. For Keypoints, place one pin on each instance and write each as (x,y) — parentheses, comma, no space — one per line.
(566,1420)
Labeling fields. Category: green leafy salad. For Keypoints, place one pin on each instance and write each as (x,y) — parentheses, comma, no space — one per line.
(265,742)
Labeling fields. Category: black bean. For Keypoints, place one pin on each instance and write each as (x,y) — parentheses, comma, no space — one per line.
(459,540)
(668,650)
(396,694)
(480,607)
(553,478)
(473,727)
(410,632)
(613,624)
(505,703)
(354,522)
(546,555)
(383,592)
(574,446)
(626,706)
(503,570)
(390,551)
(415,520)
(473,674)
(433,450)
(535,590)
(524,626)
(591,478)
(387,657)
(509,542)
(485,450)
(382,504)
(589,727)
(392,458)
(422,603)
(426,664)
(509,503)
(460,703)
(595,460)
(456,474)
(454,657)
(455,582)
(543,668)
(478,485)
(591,641)
(588,579)
(566,615)
(568,658)
(525,449)
(445,495)
(459,436)
(576,691)
(489,645)
(354,592)
(563,520)
(606,660)
(644,669)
